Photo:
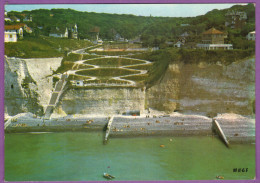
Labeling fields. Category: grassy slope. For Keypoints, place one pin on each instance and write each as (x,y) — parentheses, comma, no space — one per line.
(43,47)
(113,62)
(106,72)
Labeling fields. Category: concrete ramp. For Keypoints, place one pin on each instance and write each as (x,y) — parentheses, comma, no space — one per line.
(237,129)
(218,129)
(108,128)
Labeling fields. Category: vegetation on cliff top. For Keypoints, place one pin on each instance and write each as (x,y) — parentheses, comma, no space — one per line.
(43,47)
(162,58)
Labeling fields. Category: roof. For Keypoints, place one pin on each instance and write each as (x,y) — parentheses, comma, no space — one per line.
(213,31)
(12,27)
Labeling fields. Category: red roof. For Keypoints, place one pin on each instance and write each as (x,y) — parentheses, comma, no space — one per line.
(12,27)
(213,31)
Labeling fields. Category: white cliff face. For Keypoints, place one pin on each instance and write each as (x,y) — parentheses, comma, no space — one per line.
(102,102)
(206,88)
(28,84)
(15,71)
(41,71)
(196,88)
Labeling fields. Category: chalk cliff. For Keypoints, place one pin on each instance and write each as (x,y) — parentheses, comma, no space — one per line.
(106,101)
(206,88)
(28,84)
(202,88)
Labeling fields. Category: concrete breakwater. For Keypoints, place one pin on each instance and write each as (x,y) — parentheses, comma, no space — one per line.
(238,129)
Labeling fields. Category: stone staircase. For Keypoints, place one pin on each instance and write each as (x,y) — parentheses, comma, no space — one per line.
(59,88)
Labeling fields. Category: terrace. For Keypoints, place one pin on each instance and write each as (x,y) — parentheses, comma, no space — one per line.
(105,70)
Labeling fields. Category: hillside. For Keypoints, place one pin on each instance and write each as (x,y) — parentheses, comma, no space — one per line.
(43,47)
(130,26)
(152,31)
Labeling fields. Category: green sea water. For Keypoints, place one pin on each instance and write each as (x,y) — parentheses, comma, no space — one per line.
(81,156)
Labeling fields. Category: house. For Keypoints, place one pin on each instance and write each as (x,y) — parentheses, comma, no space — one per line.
(235,19)
(251,36)
(25,27)
(214,39)
(10,36)
(213,36)
(178,44)
(59,32)
(15,28)
(28,30)
(7,18)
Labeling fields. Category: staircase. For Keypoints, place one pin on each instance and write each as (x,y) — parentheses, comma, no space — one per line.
(59,88)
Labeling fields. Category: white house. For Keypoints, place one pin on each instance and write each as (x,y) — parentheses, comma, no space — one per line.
(15,28)
(7,18)
(213,39)
(25,27)
(10,37)
(251,36)
(178,44)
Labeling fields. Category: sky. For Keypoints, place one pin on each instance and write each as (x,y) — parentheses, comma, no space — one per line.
(164,10)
